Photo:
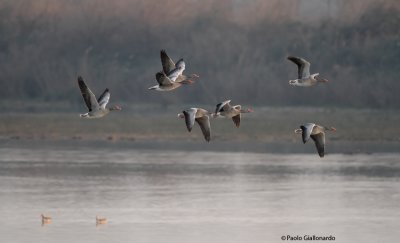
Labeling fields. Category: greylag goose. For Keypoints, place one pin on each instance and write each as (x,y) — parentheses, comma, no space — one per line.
(304,77)
(201,117)
(171,77)
(97,107)
(226,110)
(46,219)
(317,133)
(100,220)
(166,84)
(172,70)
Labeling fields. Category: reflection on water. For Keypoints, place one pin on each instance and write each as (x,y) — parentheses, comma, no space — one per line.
(153,196)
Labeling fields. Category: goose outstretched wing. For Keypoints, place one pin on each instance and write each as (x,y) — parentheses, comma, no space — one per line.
(88,96)
(167,63)
(302,65)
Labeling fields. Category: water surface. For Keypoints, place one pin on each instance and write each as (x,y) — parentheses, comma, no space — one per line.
(170,196)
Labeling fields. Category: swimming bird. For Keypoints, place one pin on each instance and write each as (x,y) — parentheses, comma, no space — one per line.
(304,77)
(97,107)
(100,220)
(317,133)
(46,219)
(225,109)
(201,116)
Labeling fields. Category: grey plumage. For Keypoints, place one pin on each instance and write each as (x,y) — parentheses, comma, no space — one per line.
(316,133)
(200,116)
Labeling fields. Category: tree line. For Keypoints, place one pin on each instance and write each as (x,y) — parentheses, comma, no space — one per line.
(44,47)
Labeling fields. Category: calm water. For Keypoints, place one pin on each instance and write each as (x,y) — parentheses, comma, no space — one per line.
(152,196)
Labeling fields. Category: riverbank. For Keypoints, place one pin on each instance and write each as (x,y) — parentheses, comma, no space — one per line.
(266,130)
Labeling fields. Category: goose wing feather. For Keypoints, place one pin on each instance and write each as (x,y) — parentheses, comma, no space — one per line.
(104,98)
(162,79)
(306,131)
(236,120)
(167,63)
(204,123)
(88,96)
(319,140)
(223,106)
(302,65)
(190,115)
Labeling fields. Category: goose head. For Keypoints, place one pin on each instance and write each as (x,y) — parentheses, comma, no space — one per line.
(188,81)
(248,110)
(298,131)
(115,108)
(332,129)
(321,80)
(294,82)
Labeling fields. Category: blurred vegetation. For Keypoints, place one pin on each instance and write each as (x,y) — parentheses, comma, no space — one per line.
(45,44)
(267,125)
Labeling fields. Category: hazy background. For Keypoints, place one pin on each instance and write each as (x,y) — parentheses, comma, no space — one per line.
(238,48)
(156,182)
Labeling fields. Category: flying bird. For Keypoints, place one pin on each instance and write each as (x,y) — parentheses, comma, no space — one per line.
(201,116)
(173,73)
(225,109)
(166,84)
(174,70)
(97,107)
(171,68)
(304,78)
(317,133)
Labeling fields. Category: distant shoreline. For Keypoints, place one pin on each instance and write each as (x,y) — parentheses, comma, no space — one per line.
(267,130)
(341,147)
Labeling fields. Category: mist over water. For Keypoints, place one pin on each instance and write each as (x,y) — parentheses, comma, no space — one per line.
(173,196)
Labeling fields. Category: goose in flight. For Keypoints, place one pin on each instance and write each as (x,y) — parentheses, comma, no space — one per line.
(169,67)
(304,78)
(317,133)
(201,117)
(174,70)
(225,109)
(166,84)
(173,73)
(97,107)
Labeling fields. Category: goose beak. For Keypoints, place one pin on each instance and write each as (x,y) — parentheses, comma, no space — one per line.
(188,81)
